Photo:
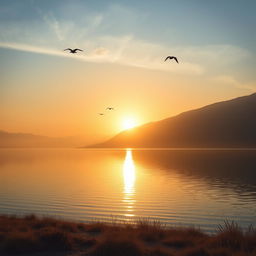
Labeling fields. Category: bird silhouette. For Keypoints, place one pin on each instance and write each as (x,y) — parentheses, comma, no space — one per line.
(109,108)
(73,50)
(101,114)
(171,57)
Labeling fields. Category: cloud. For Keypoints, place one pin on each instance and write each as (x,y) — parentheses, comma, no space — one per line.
(101,51)
(127,50)
(229,80)
(54,25)
(120,50)
(93,32)
(226,79)
(219,54)
(29,48)
(48,51)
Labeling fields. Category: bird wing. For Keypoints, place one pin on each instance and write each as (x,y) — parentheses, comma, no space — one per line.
(78,50)
(176,59)
(168,57)
(68,49)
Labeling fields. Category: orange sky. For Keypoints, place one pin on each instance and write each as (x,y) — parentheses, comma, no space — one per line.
(65,100)
(49,92)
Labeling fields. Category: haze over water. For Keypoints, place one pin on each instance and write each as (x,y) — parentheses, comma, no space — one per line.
(177,187)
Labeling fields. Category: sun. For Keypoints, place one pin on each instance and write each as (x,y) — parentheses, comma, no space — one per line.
(128,123)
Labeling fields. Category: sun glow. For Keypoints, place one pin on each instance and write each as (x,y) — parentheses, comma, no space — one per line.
(128,123)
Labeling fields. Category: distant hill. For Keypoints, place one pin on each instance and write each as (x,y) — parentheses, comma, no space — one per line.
(25,140)
(230,123)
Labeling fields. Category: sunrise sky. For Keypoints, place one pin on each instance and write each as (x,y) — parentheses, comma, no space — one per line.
(46,91)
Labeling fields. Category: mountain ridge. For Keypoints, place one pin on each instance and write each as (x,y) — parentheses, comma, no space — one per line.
(29,140)
(216,125)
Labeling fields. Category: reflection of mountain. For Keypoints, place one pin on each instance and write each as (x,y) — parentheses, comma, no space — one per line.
(225,124)
(24,140)
(233,169)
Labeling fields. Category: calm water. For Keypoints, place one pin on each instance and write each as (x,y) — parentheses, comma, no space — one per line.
(177,187)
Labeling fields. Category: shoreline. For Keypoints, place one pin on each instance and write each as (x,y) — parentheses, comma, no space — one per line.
(32,235)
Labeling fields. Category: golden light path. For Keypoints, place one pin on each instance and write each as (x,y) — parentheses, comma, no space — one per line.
(129,175)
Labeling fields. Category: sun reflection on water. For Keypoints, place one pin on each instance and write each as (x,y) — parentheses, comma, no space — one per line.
(129,175)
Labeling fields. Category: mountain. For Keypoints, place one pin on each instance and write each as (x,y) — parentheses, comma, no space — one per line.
(230,123)
(25,140)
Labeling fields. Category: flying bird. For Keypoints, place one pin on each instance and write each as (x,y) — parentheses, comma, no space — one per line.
(73,50)
(171,57)
(101,114)
(109,108)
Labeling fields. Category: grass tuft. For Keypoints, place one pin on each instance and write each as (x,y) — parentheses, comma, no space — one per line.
(178,242)
(196,252)
(31,235)
(55,239)
(116,246)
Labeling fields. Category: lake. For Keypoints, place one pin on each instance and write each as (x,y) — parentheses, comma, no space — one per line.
(177,187)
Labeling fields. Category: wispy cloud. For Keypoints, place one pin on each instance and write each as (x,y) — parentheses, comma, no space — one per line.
(127,50)
(91,32)
(124,51)
(54,25)
(50,34)
(29,48)
(229,80)
(101,51)
(48,51)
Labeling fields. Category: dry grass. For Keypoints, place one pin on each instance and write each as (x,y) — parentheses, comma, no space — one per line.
(31,234)
(116,245)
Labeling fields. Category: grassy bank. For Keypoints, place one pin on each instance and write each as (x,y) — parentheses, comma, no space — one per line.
(47,236)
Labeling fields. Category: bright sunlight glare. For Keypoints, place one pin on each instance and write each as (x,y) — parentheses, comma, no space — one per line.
(128,123)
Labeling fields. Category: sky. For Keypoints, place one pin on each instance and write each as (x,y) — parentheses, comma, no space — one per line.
(45,90)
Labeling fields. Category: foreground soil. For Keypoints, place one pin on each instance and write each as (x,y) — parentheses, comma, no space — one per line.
(32,235)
